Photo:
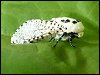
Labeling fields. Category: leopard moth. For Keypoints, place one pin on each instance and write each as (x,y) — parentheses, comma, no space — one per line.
(60,28)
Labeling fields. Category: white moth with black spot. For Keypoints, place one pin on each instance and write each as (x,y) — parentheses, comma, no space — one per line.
(61,28)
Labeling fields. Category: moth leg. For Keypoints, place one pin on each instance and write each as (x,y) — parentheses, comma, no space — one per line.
(76,36)
(70,42)
(51,39)
(60,38)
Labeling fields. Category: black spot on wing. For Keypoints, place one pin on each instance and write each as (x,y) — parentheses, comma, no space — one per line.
(48,26)
(55,22)
(42,37)
(62,20)
(60,28)
(57,31)
(74,22)
(49,33)
(77,20)
(41,21)
(51,21)
(50,29)
(31,41)
(37,37)
(66,28)
(67,21)
(46,21)
(33,38)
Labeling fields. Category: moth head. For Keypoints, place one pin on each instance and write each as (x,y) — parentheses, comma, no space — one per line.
(75,28)
(80,34)
(79,29)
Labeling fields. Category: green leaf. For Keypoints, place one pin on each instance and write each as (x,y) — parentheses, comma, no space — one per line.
(40,57)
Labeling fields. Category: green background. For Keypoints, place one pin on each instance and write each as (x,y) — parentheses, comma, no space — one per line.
(41,57)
